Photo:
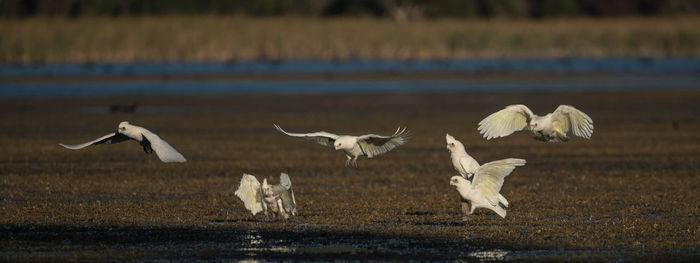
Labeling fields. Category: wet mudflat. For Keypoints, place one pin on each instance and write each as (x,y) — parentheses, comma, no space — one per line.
(630,193)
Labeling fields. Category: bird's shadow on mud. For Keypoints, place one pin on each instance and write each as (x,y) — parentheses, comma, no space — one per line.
(225,240)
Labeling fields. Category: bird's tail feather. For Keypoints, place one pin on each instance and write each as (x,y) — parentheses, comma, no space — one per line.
(500,209)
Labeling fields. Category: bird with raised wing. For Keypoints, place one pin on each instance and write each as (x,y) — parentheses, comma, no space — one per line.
(552,127)
(463,163)
(274,200)
(369,145)
(148,140)
(479,186)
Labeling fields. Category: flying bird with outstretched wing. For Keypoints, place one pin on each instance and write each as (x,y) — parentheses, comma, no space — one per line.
(479,186)
(275,200)
(552,127)
(148,140)
(369,145)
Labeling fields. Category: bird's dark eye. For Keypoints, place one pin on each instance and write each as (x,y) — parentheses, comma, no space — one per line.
(535,124)
(339,144)
(452,144)
(455,180)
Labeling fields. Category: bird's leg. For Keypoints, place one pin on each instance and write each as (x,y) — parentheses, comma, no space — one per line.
(539,136)
(466,210)
(354,161)
(561,136)
(281,208)
(348,161)
(146,145)
(267,215)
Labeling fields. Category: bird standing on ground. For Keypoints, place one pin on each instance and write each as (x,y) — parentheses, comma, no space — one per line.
(480,185)
(463,163)
(148,140)
(369,145)
(277,199)
(552,127)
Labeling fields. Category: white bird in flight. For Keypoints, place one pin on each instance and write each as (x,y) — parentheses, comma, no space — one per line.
(148,140)
(369,145)
(277,199)
(479,186)
(552,127)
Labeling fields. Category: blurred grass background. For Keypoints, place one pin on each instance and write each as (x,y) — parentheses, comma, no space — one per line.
(81,31)
(229,39)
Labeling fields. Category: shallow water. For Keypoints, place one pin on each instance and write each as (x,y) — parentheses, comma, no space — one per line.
(568,75)
(610,83)
(604,65)
(222,242)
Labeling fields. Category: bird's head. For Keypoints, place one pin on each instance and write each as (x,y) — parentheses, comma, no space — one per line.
(453,144)
(458,181)
(122,126)
(266,187)
(535,124)
(344,143)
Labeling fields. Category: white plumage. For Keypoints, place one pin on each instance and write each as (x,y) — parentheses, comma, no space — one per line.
(462,162)
(277,199)
(552,127)
(369,145)
(479,187)
(148,140)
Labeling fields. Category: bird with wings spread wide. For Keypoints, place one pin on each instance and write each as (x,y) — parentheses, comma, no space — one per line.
(369,145)
(148,140)
(277,200)
(479,186)
(552,127)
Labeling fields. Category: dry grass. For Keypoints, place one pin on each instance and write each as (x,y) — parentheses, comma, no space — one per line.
(185,38)
(633,187)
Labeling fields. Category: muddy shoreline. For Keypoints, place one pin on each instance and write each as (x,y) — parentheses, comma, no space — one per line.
(628,194)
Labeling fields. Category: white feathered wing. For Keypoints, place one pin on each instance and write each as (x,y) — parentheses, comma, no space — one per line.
(374,145)
(165,152)
(111,138)
(567,118)
(288,201)
(249,192)
(506,121)
(322,137)
(489,178)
